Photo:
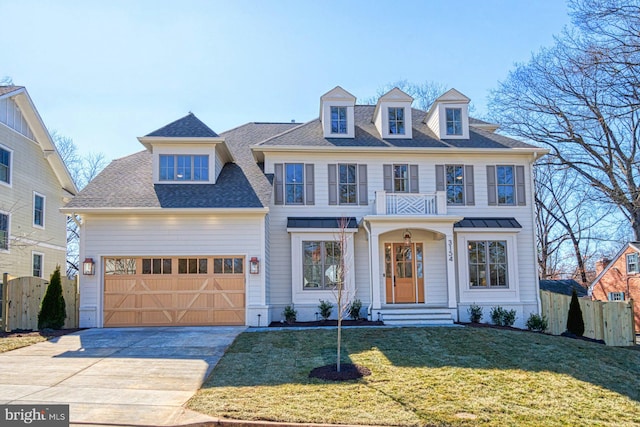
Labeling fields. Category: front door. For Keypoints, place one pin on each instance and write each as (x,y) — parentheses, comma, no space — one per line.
(404,273)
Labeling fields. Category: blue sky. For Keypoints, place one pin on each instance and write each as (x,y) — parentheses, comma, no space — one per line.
(106,72)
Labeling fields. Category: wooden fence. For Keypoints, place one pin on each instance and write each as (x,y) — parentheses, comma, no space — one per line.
(21,299)
(610,321)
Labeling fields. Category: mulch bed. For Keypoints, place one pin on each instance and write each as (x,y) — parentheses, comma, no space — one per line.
(326,323)
(348,371)
(49,333)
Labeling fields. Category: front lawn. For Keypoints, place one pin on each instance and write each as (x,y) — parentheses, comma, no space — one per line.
(426,376)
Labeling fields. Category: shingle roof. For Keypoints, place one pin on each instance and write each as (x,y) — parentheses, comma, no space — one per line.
(367,135)
(8,89)
(188,126)
(564,287)
(321,222)
(483,222)
(128,182)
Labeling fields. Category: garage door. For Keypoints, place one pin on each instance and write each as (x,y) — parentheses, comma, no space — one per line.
(174,291)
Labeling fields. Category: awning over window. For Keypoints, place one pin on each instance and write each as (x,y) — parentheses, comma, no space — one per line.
(482,222)
(322,222)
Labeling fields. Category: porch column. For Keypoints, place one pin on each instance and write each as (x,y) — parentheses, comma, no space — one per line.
(374,257)
(451,270)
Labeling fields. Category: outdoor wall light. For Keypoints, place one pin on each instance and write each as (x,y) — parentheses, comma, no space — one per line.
(407,237)
(88,267)
(254,265)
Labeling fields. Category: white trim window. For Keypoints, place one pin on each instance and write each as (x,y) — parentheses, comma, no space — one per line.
(294,183)
(632,263)
(5,166)
(339,120)
(615,296)
(38,210)
(488,265)
(4,231)
(396,121)
(401,178)
(454,175)
(37,264)
(347,184)
(184,167)
(454,121)
(321,268)
(506,185)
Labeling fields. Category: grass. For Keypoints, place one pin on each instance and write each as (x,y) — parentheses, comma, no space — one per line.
(426,376)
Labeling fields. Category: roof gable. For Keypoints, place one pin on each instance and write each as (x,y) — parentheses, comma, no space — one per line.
(338,94)
(188,126)
(630,245)
(396,94)
(452,95)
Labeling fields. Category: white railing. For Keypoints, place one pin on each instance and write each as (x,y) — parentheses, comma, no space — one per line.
(411,203)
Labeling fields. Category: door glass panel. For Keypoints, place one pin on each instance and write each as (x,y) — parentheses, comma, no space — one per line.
(387,260)
(419,261)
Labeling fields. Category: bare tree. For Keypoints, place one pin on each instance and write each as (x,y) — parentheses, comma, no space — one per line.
(341,293)
(423,93)
(581,99)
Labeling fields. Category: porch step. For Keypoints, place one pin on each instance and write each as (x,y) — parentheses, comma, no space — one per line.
(416,316)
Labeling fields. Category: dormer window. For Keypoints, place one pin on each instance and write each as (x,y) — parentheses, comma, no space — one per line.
(184,167)
(396,120)
(454,121)
(339,120)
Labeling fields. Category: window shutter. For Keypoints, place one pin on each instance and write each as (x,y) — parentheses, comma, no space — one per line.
(492,196)
(413,179)
(387,172)
(309,187)
(520,189)
(440,178)
(333,184)
(363,192)
(469,195)
(279,184)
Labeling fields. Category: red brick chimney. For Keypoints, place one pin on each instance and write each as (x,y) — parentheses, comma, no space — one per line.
(601,264)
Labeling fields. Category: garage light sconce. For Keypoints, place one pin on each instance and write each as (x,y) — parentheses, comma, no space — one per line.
(88,267)
(254,265)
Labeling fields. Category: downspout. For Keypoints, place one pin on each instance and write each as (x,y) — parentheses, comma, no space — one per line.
(370,307)
(535,235)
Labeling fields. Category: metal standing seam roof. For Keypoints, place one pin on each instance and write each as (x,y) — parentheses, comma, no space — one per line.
(484,222)
(322,222)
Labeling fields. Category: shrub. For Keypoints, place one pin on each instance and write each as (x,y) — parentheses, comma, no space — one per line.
(575,323)
(53,309)
(354,309)
(502,317)
(537,323)
(290,315)
(325,308)
(475,313)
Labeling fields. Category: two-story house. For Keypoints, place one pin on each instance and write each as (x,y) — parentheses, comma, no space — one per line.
(431,211)
(34,185)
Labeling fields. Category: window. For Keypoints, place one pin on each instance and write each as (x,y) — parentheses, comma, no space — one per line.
(505,185)
(156,265)
(338,119)
(294,183)
(5,166)
(400,178)
(37,265)
(454,121)
(321,264)
(616,296)
(228,265)
(38,210)
(119,266)
(193,266)
(347,184)
(184,167)
(488,264)
(455,184)
(396,120)
(632,263)
(4,232)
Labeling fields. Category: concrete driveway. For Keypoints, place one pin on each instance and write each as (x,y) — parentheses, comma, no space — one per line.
(127,376)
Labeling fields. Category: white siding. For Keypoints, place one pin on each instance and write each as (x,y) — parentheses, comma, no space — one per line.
(170,235)
(219,165)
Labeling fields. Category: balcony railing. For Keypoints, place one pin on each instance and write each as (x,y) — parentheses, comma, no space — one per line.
(411,203)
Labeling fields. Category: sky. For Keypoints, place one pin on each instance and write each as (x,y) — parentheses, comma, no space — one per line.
(106,72)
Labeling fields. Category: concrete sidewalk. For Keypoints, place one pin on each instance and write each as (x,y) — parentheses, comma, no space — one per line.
(127,376)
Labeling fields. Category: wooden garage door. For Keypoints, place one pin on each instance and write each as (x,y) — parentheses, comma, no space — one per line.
(174,291)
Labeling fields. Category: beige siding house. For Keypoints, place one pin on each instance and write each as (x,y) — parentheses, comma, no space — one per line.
(432,211)
(34,185)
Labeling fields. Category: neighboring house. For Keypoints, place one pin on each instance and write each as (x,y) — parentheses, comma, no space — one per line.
(563,287)
(618,279)
(34,185)
(436,211)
